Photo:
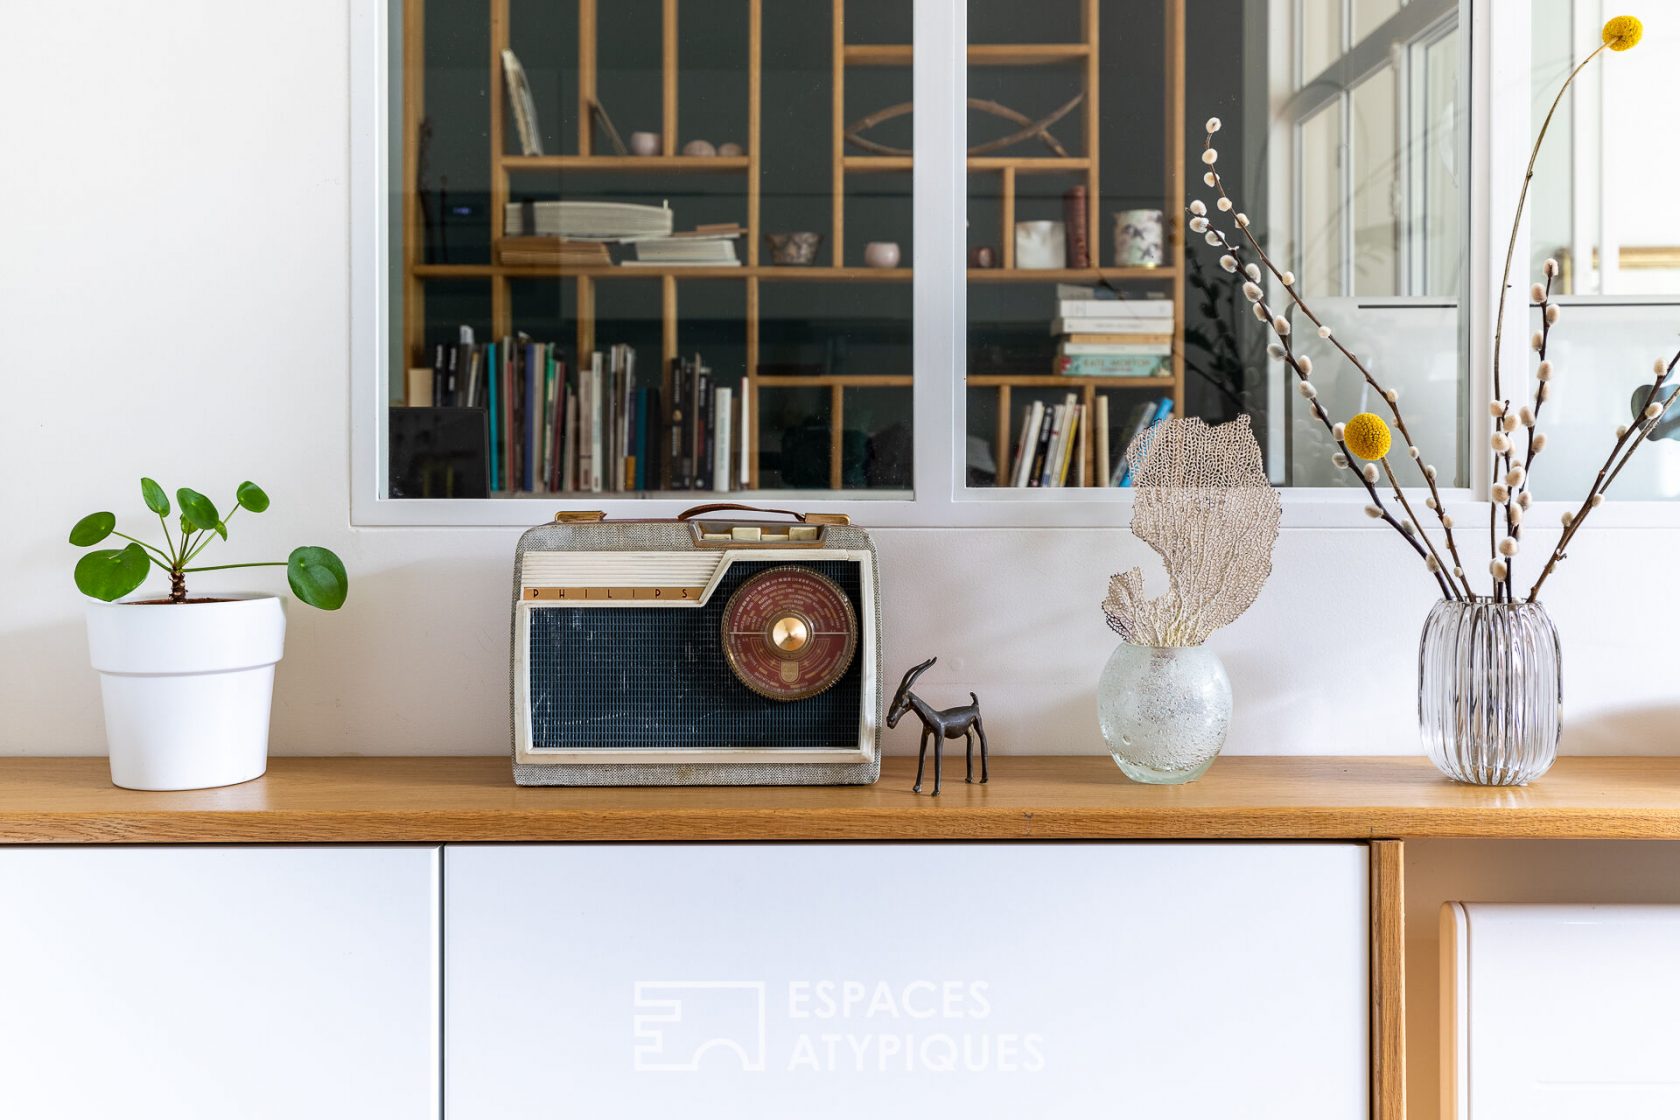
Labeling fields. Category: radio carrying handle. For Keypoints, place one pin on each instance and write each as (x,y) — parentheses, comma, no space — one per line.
(803,518)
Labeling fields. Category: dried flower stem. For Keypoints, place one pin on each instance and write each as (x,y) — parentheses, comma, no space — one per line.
(1351,357)
(1522,201)
(1448,589)
(1612,467)
(1400,495)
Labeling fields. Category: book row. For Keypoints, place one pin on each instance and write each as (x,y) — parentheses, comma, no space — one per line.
(599,425)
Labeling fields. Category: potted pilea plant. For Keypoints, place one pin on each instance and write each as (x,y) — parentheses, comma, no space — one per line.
(188,682)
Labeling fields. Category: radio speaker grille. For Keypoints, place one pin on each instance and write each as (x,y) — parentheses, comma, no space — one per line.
(627,678)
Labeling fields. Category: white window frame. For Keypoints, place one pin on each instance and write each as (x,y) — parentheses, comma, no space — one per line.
(1498,127)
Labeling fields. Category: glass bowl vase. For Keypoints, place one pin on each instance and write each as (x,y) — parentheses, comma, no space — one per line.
(1164,711)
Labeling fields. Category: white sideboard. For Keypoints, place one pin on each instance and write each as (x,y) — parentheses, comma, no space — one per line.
(702,980)
(177,983)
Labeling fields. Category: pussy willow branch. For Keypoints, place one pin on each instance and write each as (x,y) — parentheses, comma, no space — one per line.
(1353,359)
(1448,589)
(1513,499)
(1608,472)
(1522,201)
(1406,505)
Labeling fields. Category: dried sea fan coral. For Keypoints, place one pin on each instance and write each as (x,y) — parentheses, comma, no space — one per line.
(1205,505)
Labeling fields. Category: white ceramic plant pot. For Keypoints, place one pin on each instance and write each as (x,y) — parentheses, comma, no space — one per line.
(187,688)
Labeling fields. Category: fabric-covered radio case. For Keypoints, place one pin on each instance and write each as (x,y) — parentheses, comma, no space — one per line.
(713,649)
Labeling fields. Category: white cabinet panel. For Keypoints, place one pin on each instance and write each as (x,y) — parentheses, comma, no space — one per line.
(892,980)
(187,983)
(1557,1012)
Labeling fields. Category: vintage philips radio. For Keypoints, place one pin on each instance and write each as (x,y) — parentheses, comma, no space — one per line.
(718,648)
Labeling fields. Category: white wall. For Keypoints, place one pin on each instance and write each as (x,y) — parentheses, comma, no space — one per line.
(174,302)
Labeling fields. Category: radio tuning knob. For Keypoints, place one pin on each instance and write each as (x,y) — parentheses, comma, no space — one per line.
(790,633)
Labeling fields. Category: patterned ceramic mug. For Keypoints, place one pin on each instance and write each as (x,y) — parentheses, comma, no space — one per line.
(1139,239)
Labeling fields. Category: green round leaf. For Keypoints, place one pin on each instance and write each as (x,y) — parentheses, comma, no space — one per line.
(92,529)
(197,510)
(111,573)
(251,496)
(317,577)
(156,500)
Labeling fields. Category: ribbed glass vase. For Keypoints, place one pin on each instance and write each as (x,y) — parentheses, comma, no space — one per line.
(1490,691)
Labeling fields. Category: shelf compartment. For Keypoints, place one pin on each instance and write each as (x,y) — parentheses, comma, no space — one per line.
(981,54)
(683,164)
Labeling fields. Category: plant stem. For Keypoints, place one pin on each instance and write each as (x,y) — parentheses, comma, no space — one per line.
(148,547)
(1353,359)
(225,567)
(174,557)
(1607,474)
(1522,201)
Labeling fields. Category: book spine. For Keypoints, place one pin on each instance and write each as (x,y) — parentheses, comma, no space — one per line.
(569,469)
(701,406)
(597,418)
(495,416)
(1114,349)
(1035,474)
(1028,443)
(1114,308)
(723,445)
(1151,327)
(674,460)
(1103,466)
(1075,218)
(1113,365)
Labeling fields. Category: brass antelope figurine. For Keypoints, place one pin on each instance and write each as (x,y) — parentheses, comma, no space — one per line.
(939,725)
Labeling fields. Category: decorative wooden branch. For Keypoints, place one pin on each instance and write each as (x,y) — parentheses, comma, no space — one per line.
(1031,128)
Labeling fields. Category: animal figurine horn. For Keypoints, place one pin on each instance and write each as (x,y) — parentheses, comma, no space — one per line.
(939,725)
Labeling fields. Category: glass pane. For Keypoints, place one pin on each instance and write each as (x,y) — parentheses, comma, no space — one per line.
(1368,15)
(1320,248)
(1591,208)
(1320,36)
(1375,151)
(631,255)
(1089,317)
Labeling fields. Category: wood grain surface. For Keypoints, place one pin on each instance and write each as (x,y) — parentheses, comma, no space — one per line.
(388,799)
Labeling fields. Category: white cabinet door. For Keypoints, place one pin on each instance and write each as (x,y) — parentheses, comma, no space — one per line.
(892,980)
(1555,1012)
(187,983)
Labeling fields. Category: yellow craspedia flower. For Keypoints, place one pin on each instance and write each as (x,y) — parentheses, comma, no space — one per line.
(1367,436)
(1623,32)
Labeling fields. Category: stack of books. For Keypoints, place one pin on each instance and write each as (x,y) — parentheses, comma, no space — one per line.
(709,245)
(1051,448)
(707,425)
(552,252)
(1102,336)
(587,221)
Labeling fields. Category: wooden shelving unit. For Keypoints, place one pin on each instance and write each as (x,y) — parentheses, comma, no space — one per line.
(1087,55)
(506,168)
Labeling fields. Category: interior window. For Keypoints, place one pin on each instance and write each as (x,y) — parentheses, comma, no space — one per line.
(639,254)
(1089,313)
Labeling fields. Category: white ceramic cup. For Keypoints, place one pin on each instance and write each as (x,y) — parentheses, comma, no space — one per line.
(881,254)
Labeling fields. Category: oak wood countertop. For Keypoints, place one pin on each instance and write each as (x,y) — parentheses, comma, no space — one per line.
(393,800)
